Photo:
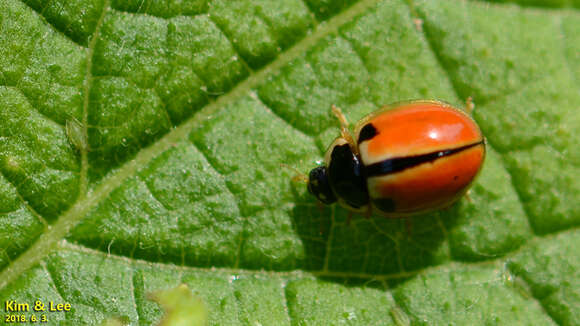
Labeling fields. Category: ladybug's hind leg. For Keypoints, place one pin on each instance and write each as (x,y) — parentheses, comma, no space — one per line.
(366,214)
(468,197)
(408,225)
(369,212)
(469,105)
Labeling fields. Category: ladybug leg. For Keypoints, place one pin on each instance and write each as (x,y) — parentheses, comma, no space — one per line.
(409,225)
(299,176)
(320,207)
(447,208)
(468,197)
(349,218)
(344,132)
(341,118)
(469,106)
(368,213)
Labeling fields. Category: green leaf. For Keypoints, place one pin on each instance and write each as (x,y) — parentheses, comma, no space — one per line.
(141,145)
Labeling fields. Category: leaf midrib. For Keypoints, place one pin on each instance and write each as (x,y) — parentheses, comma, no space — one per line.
(58,231)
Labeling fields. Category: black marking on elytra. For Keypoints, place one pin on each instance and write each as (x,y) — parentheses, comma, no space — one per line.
(347,177)
(384,204)
(367,132)
(398,164)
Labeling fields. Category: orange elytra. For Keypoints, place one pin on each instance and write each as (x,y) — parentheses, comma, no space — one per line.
(404,159)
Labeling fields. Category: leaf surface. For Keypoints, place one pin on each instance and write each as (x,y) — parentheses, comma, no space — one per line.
(141,143)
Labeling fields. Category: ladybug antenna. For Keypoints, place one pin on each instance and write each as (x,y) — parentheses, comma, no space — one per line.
(299,175)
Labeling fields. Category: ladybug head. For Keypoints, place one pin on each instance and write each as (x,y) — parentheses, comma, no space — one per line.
(318,185)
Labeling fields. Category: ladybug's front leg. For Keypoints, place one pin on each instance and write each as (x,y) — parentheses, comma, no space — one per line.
(344,132)
(349,218)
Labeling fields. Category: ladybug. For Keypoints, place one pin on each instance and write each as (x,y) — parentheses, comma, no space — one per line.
(405,159)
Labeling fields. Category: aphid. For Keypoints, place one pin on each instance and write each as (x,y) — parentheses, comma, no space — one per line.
(405,159)
(74,132)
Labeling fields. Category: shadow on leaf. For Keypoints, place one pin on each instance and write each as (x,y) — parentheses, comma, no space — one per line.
(374,248)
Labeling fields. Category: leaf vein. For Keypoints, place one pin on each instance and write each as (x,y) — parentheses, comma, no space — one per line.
(242,239)
(535,298)
(25,202)
(49,23)
(52,281)
(257,97)
(47,242)
(87,85)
